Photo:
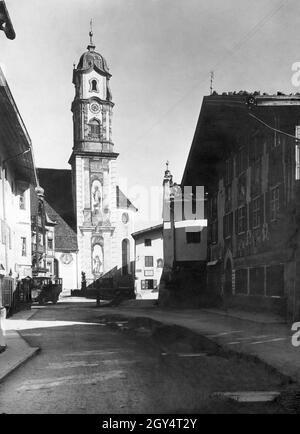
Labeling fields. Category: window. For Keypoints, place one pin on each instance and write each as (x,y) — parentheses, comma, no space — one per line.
(228,198)
(275,280)
(241,281)
(94,85)
(193,237)
(49,266)
(22,201)
(94,129)
(148,284)
(24,247)
(50,244)
(125,256)
(256,211)
(241,161)
(148,243)
(228,171)
(148,261)
(228,225)
(214,232)
(275,197)
(256,178)
(241,220)
(257,281)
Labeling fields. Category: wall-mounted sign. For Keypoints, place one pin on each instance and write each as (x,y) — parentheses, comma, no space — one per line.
(149,273)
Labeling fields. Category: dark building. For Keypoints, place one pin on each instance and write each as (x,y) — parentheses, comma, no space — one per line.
(246,155)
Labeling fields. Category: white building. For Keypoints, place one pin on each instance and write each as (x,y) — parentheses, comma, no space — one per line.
(148,261)
(17,172)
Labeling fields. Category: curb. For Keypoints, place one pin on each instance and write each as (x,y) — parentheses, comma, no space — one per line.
(6,372)
(17,351)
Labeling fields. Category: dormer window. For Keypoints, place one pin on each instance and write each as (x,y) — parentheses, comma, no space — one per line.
(94,85)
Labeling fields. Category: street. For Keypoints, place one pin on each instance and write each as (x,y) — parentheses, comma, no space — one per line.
(89,362)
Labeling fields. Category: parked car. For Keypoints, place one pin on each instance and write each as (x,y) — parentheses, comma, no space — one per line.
(45,289)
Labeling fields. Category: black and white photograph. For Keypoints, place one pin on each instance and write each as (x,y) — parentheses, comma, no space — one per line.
(149,210)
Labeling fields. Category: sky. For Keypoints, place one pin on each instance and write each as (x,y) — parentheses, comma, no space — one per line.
(160,54)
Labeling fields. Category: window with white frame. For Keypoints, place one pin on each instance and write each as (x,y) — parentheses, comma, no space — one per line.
(148,261)
(24,246)
(241,215)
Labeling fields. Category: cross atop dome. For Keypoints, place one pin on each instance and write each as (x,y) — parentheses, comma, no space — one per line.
(91,46)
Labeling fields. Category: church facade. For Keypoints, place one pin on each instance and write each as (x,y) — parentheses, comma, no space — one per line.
(99,214)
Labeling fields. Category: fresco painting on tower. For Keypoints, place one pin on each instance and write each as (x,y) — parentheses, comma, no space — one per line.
(88,206)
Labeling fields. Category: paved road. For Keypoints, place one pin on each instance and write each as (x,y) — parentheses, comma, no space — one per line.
(85,366)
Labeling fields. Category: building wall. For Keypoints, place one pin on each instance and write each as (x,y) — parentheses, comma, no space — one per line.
(15,243)
(143,273)
(185,252)
(190,251)
(250,212)
(67,267)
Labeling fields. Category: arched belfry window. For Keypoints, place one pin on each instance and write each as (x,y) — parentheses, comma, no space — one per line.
(94,85)
(94,128)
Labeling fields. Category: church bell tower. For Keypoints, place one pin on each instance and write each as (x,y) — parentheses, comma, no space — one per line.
(93,164)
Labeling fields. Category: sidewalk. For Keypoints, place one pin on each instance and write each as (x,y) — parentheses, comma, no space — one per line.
(18,351)
(264,336)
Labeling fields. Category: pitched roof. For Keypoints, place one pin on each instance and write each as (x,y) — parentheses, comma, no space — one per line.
(143,232)
(57,184)
(123,201)
(65,236)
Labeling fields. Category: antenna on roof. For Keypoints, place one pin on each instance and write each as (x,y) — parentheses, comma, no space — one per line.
(212,76)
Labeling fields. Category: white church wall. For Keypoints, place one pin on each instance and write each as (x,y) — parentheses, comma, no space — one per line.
(86,85)
(67,267)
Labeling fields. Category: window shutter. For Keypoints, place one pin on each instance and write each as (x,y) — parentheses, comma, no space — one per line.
(261,204)
(267,205)
(236,215)
(250,223)
(281,197)
(209,233)
(231,223)
(154,284)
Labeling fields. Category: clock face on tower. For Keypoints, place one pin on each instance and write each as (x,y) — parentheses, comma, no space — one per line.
(95,107)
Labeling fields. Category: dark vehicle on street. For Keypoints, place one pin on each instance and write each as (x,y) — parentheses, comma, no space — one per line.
(107,290)
(45,289)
